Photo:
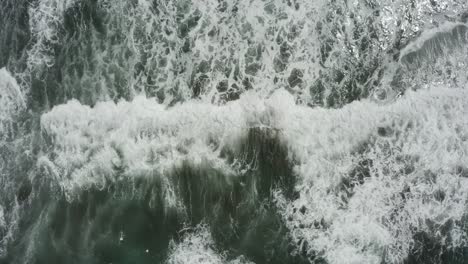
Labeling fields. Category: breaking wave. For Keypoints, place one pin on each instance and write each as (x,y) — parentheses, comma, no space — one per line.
(233,131)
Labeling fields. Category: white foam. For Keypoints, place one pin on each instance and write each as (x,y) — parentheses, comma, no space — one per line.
(141,137)
(428,126)
(429,134)
(9,221)
(85,147)
(198,247)
(11,103)
(145,138)
(45,20)
(428,34)
(230,52)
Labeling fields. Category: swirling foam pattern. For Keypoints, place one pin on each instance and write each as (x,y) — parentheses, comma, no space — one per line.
(280,131)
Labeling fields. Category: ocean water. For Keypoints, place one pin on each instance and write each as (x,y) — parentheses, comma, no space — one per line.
(233,131)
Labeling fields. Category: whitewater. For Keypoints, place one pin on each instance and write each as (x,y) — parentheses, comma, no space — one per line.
(280,131)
